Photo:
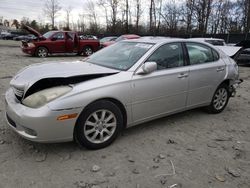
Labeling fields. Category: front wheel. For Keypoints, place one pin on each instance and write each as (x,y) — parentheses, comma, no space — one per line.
(220,99)
(98,125)
(41,52)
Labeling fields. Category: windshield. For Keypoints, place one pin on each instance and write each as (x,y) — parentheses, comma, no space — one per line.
(121,55)
(48,34)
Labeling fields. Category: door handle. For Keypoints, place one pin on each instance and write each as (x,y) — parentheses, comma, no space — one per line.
(182,75)
(220,69)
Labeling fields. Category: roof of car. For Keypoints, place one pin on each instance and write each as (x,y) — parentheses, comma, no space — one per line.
(203,39)
(156,40)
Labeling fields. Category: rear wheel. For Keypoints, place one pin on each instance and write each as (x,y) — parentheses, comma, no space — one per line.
(98,125)
(220,99)
(87,51)
(41,52)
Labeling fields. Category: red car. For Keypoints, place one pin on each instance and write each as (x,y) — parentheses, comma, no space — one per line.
(58,42)
(122,37)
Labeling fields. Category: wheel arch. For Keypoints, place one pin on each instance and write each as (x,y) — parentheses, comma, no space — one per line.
(42,47)
(118,103)
(227,82)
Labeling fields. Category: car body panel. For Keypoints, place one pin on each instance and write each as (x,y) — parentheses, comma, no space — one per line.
(170,96)
(203,81)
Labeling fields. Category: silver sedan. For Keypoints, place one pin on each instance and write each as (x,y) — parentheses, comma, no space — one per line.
(128,83)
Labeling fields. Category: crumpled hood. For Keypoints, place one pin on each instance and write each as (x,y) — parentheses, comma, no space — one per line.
(33,73)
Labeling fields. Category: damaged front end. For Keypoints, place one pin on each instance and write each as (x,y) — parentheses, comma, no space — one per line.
(46,82)
(48,89)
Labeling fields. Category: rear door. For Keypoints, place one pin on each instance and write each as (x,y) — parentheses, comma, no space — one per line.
(164,90)
(71,42)
(207,71)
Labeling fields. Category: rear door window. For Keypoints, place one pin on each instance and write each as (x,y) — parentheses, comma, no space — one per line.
(199,53)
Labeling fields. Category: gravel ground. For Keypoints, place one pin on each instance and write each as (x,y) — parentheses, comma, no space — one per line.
(189,150)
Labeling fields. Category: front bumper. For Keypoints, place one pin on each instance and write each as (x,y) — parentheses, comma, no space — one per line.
(41,124)
(28,50)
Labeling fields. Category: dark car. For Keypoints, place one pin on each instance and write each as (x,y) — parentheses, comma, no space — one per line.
(9,36)
(25,37)
(243,56)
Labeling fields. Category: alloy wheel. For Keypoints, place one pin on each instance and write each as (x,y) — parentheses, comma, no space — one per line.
(100,126)
(220,98)
(88,51)
(42,52)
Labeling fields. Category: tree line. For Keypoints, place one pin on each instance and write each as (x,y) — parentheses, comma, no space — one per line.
(151,17)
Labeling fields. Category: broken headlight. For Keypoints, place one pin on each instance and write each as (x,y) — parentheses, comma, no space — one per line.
(31,45)
(43,97)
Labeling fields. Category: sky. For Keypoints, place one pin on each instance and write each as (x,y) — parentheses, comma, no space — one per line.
(33,9)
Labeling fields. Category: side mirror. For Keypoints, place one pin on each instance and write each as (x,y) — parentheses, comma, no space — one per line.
(147,68)
(53,39)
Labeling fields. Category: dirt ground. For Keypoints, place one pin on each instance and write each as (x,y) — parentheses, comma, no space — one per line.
(188,150)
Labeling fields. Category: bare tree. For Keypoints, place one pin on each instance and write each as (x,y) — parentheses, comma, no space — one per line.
(171,15)
(68,11)
(202,12)
(152,16)
(103,4)
(16,23)
(81,23)
(114,11)
(92,12)
(127,14)
(189,14)
(138,14)
(51,9)
(6,23)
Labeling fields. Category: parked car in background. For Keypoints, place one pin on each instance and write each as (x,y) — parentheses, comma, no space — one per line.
(107,39)
(58,42)
(243,57)
(25,37)
(122,37)
(9,36)
(126,84)
(213,41)
(86,37)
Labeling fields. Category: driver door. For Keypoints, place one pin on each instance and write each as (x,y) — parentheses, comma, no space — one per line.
(57,44)
(164,90)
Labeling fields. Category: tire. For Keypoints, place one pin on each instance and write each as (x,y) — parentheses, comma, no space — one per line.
(98,125)
(41,52)
(220,100)
(87,51)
